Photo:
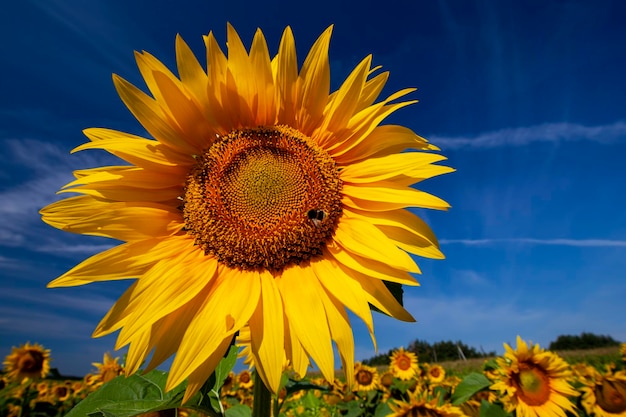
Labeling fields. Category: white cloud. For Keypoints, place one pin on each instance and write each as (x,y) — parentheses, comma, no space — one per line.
(38,170)
(547,132)
(532,241)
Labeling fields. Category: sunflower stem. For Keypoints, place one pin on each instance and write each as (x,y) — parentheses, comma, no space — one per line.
(262,405)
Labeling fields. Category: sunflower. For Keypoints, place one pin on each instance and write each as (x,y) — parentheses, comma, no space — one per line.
(435,374)
(261,199)
(534,382)
(419,405)
(604,394)
(107,370)
(365,377)
(403,364)
(27,362)
(244,380)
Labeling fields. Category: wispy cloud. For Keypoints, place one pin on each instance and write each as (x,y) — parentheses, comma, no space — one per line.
(532,241)
(547,132)
(37,170)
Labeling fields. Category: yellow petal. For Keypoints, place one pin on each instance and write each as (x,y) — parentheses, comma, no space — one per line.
(286,76)
(418,165)
(383,196)
(295,352)
(381,297)
(168,332)
(194,127)
(344,288)
(369,267)
(220,316)
(239,84)
(313,85)
(419,233)
(150,115)
(142,152)
(170,284)
(341,332)
(129,260)
(137,352)
(119,193)
(343,104)
(371,90)
(127,176)
(113,320)
(264,87)
(363,123)
(362,238)
(201,374)
(300,290)
(268,333)
(126,221)
(383,140)
(191,73)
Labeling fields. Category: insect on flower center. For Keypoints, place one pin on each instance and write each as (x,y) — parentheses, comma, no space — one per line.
(263,198)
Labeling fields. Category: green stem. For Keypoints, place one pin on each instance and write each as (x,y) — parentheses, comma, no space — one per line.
(262,406)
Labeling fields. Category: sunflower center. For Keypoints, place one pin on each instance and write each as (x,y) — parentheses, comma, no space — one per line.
(263,198)
(533,384)
(364,377)
(403,363)
(611,396)
(31,362)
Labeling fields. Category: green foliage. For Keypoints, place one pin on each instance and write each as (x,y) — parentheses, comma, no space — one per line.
(584,341)
(469,386)
(138,394)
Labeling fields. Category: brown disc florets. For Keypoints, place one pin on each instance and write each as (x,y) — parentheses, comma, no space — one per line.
(263,198)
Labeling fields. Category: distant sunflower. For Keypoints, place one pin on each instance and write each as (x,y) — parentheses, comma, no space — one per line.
(366,378)
(403,364)
(263,200)
(533,382)
(604,394)
(244,379)
(418,405)
(107,370)
(27,361)
(436,374)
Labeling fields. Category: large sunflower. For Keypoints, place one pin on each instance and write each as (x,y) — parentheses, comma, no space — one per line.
(262,199)
(533,382)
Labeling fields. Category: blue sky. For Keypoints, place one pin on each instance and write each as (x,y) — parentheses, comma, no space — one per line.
(527,99)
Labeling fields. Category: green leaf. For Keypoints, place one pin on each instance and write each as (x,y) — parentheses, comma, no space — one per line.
(294,386)
(383,410)
(469,386)
(130,396)
(210,391)
(239,411)
(491,410)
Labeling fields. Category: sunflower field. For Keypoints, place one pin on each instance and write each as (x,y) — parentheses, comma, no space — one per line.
(527,381)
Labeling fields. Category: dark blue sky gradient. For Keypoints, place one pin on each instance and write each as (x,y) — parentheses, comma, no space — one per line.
(527,99)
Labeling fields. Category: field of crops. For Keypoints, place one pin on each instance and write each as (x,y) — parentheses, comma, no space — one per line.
(526,381)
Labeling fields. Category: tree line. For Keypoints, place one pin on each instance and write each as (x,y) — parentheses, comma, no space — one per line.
(450,351)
